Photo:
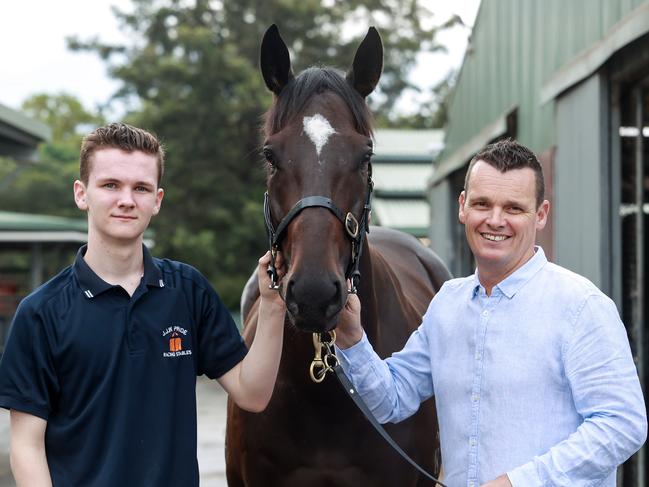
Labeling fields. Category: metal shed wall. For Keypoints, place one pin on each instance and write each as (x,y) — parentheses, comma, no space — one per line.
(515,47)
(582,199)
(440,232)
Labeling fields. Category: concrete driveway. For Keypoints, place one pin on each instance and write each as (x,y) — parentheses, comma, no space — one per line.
(211,436)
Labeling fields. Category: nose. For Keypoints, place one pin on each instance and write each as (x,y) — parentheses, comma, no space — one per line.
(126,198)
(314,301)
(496,218)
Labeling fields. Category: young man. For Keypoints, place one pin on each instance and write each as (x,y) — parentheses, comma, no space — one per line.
(529,363)
(100,368)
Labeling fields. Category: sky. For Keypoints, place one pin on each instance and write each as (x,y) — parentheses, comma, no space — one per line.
(35,58)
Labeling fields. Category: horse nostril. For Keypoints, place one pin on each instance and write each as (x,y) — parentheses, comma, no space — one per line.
(291,304)
(333,307)
(338,287)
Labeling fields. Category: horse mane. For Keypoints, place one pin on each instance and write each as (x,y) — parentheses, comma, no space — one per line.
(313,81)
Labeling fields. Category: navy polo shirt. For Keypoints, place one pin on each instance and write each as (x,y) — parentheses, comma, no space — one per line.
(115,375)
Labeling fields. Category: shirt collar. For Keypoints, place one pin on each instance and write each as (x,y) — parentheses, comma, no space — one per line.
(93,285)
(514,282)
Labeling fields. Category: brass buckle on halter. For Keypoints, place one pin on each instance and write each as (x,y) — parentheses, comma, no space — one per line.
(319,366)
(351,225)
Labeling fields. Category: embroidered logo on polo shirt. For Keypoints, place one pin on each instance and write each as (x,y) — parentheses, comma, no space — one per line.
(175,336)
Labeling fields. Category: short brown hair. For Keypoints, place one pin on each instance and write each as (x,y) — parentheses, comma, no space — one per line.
(505,155)
(119,136)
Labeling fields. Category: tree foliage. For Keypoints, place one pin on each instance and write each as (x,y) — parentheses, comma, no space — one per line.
(46,186)
(191,76)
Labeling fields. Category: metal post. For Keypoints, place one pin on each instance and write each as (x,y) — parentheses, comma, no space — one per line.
(638,308)
(37,266)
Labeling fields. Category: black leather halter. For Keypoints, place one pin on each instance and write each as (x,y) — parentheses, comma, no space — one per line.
(355,230)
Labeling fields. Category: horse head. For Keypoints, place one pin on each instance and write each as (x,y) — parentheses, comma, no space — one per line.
(318,146)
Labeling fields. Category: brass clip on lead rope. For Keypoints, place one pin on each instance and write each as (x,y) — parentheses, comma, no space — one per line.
(320,366)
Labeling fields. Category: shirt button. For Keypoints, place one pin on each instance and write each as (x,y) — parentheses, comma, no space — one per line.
(475,397)
(472,441)
(471,484)
(478,356)
(485,313)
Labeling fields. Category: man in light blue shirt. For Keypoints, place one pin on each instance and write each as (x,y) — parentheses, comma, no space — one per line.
(529,363)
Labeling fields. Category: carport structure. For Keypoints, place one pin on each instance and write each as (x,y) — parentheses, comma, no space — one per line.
(32,248)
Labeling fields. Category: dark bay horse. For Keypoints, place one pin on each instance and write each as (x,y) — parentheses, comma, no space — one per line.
(318,143)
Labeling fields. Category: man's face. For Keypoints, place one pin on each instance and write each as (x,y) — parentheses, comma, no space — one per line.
(121,196)
(500,218)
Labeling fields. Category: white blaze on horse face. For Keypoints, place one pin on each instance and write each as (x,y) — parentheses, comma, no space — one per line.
(319,130)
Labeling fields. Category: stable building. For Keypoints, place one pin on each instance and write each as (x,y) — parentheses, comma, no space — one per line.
(401,167)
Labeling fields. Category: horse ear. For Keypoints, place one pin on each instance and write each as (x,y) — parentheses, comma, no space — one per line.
(275,61)
(368,64)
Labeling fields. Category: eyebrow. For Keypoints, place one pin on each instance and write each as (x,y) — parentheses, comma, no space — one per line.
(486,199)
(120,181)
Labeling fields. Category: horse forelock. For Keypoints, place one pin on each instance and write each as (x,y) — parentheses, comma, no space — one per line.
(295,96)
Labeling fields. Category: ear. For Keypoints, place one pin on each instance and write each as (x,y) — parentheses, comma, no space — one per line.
(368,63)
(461,200)
(80,195)
(542,215)
(158,200)
(275,61)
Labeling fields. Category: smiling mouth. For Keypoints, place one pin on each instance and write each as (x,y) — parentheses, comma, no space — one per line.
(124,217)
(494,238)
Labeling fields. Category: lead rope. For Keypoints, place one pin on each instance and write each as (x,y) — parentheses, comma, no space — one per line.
(318,370)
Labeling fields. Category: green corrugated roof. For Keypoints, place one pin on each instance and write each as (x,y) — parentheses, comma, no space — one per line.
(407,144)
(27,222)
(27,125)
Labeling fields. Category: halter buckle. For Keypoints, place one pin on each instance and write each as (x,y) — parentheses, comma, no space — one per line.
(272,270)
(351,225)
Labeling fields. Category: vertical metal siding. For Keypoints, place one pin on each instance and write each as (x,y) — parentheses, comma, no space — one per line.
(579,181)
(442,208)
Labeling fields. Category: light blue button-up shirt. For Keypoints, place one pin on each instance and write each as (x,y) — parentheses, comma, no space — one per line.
(536,380)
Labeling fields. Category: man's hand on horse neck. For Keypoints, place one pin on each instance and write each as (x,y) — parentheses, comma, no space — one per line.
(502,481)
(349,330)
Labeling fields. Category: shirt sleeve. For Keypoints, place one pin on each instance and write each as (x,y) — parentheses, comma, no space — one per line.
(607,394)
(220,344)
(392,388)
(28,379)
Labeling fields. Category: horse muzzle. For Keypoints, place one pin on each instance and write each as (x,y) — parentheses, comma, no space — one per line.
(314,302)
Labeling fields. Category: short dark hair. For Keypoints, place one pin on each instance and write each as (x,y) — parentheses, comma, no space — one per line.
(119,136)
(505,155)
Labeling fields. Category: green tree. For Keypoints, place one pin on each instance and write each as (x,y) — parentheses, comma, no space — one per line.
(46,186)
(63,113)
(191,76)
(431,114)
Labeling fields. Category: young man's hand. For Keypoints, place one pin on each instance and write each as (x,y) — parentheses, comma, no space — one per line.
(267,294)
(349,330)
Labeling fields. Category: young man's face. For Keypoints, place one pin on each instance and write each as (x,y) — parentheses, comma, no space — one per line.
(500,217)
(121,196)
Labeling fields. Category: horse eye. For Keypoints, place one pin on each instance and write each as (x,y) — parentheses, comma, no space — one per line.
(269,156)
(367,157)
